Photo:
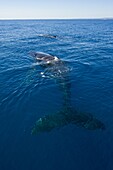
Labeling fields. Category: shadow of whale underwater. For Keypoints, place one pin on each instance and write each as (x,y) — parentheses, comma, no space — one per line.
(68,115)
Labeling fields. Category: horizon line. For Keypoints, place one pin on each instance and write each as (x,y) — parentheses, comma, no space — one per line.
(55,18)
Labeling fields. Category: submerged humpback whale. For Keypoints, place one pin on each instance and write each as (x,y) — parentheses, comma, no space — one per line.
(47,35)
(68,115)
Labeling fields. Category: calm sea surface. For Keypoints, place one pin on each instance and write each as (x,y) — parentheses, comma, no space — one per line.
(26,95)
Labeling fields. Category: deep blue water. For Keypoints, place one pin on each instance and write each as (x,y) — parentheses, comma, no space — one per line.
(25,95)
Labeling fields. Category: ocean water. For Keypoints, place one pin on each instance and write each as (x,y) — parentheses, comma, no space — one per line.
(26,95)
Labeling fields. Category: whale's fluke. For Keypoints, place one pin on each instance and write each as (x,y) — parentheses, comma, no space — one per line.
(65,117)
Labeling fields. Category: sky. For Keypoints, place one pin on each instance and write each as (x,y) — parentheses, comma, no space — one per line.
(55,9)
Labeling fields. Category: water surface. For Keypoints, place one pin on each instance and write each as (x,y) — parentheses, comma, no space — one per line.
(25,95)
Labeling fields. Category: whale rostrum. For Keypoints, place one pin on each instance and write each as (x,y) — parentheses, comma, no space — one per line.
(68,115)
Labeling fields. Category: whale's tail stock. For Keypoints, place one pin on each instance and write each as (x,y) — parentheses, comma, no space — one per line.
(65,117)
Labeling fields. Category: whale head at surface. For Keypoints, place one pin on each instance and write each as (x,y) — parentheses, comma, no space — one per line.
(44,59)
